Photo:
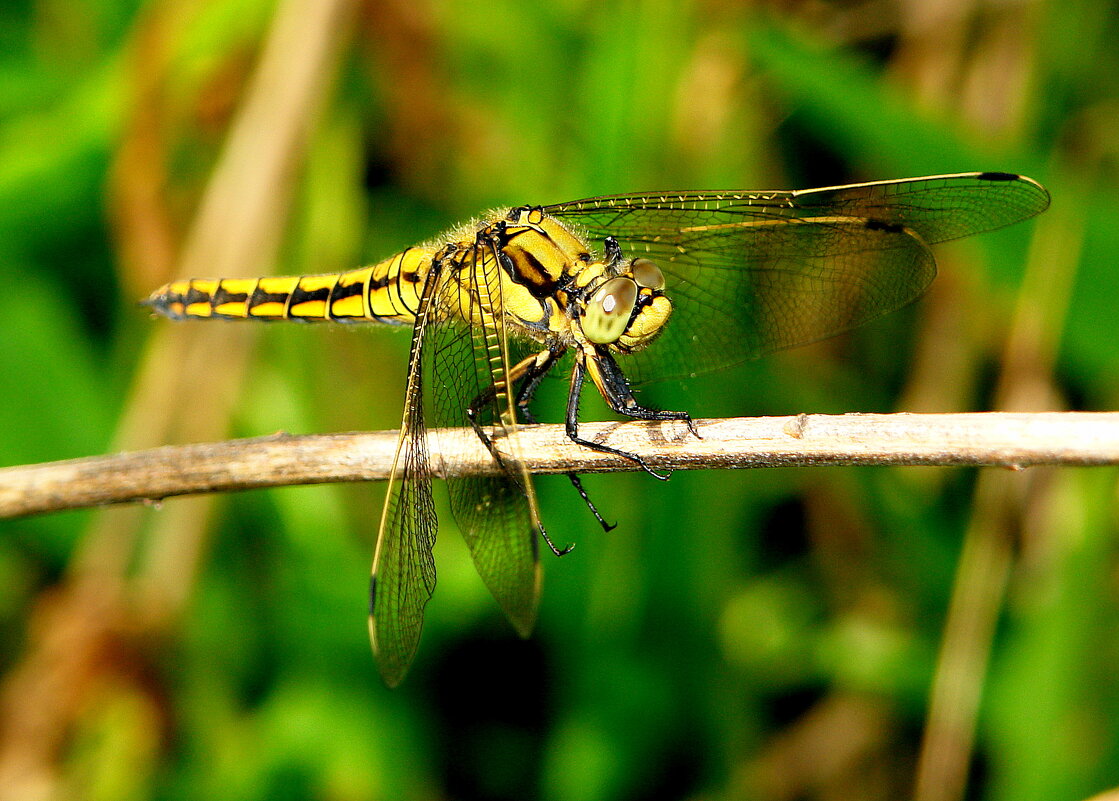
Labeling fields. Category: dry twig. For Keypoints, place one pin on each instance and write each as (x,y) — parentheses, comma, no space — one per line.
(981,439)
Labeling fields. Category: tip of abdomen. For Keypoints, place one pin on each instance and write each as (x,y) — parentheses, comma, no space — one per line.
(203,298)
(166,302)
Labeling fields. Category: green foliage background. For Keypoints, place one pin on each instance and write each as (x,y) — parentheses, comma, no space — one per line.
(751,634)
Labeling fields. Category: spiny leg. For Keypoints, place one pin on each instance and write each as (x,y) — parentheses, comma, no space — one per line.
(531,370)
(528,389)
(578,484)
(614,388)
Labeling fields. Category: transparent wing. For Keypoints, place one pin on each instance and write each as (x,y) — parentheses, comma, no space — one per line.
(403,565)
(496,513)
(754,272)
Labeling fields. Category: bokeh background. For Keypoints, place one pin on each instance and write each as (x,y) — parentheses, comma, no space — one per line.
(831,633)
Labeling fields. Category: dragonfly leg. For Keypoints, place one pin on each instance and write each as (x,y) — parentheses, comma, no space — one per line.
(528,389)
(557,551)
(613,252)
(578,484)
(526,367)
(531,372)
(612,384)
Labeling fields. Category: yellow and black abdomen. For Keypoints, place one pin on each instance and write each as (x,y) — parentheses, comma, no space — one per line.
(386,292)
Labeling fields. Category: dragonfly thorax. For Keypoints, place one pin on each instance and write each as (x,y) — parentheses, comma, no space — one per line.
(558,289)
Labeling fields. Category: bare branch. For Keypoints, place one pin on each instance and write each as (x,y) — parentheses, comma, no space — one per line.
(991,438)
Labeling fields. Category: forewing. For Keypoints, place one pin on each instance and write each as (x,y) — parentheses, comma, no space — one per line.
(497,513)
(754,272)
(403,564)
(938,208)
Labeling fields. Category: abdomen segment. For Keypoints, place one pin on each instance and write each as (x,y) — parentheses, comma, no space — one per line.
(386,292)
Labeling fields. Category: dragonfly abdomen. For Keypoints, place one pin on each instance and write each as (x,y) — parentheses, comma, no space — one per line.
(386,292)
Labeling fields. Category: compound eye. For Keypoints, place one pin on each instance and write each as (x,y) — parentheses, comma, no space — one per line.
(647,274)
(607,314)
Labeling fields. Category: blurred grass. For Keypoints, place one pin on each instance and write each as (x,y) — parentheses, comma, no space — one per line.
(768,635)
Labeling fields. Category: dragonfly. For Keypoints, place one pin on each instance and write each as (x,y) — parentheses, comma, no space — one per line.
(620,290)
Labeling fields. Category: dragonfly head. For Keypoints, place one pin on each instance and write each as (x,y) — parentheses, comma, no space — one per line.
(628,311)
